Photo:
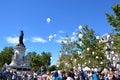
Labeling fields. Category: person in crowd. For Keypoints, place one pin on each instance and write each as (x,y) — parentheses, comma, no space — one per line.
(118,74)
(86,75)
(82,75)
(105,76)
(48,76)
(110,74)
(4,75)
(44,76)
(89,75)
(40,78)
(35,75)
(94,76)
(24,76)
(59,76)
(42,70)
(14,75)
(55,75)
(76,75)
(9,77)
(30,76)
(68,75)
(51,76)
(72,73)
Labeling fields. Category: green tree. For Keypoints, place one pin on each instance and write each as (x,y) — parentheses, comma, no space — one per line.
(90,49)
(6,56)
(66,51)
(34,60)
(31,54)
(52,68)
(67,46)
(37,60)
(114,21)
(46,58)
(64,62)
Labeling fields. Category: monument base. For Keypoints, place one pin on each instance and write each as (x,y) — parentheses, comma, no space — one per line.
(20,62)
(18,69)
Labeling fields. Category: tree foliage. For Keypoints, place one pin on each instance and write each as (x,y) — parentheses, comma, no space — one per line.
(6,56)
(67,46)
(52,68)
(114,21)
(66,51)
(37,60)
(86,50)
(90,48)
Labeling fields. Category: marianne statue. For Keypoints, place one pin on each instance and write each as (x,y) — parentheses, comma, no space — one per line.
(21,38)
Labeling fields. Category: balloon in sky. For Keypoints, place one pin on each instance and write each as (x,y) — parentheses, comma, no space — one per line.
(48,20)
(80,27)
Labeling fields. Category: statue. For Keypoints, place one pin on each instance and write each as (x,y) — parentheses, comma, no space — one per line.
(21,38)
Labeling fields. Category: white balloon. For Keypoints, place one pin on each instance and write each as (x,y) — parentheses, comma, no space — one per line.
(97,37)
(93,53)
(80,35)
(73,33)
(88,49)
(80,27)
(48,20)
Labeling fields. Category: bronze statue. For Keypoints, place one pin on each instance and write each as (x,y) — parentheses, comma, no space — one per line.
(21,38)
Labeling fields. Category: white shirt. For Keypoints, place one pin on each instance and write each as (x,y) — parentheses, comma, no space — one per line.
(69,78)
(35,75)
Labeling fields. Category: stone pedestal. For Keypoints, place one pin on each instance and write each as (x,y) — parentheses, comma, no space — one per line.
(19,62)
(18,58)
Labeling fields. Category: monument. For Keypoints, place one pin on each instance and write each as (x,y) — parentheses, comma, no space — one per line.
(19,61)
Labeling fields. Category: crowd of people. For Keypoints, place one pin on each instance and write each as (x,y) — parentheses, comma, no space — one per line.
(72,74)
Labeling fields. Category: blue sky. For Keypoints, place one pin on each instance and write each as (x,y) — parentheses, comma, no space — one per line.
(46,22)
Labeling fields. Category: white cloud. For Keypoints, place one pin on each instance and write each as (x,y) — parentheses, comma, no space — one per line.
(61,31)
(58,41)
(12,40)
(38,39)
(62,39)
(52,36)
(55,35)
